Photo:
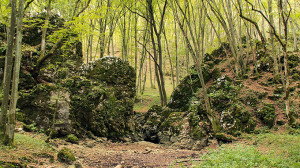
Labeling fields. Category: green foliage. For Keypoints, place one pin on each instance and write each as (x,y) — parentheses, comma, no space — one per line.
(19,116)
(261,130)
(251,99)
(31,143)
(197,124)
(239,156)
(296,76)
(66,155)
(278,90)
(30,128)
(4,10)
(269,150)
(265,62)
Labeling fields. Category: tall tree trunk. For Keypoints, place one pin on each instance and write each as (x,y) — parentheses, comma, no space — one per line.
(112,45)
(150,70)
(275,58)
(88,47)
(294,35)
(135,43)
(228,30)
(44,30)
(196,55)
(4,139)
(285,16)
(102,29)
(91,40)
(170,60)
(157,50)
(176,55)
(15,82)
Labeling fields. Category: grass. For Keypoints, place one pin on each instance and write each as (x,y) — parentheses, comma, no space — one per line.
(256,150)
(27,149)
(150,96)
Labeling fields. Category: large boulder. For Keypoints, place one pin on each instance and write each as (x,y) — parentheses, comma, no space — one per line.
(177,129)
(99,100)
(39,106)
(62,64)
(181,96)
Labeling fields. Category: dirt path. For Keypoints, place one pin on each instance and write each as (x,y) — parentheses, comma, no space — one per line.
(142,154)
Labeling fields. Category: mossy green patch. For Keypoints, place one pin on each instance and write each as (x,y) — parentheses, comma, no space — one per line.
(72,138)
(66,155)
(267,114)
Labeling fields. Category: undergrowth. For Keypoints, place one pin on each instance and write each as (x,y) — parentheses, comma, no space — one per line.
(261,150)
(27,149)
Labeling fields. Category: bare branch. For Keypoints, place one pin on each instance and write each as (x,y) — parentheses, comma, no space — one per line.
(27,4)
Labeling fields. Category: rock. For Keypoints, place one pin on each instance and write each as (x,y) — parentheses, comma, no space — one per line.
(267,114)
(47,99)
(184,91)
(112,115)
(78,164)
(90,144)
(99,102)
(66,155)
(224,137)
(200,144)
(72,138)
(173,129)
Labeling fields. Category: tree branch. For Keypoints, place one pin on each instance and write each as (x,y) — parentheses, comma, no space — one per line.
(254,23)
(27,4)
(268,21)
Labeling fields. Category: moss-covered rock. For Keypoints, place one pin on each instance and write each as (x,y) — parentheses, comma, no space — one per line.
(224,137)
(264,62)
(66,155)
(99,100)
(72,138)
(236,119)
(293,60)
(40,104)
(267,114)
(184,91)
(177,129)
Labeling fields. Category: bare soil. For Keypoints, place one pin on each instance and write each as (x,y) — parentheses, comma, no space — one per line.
(94,153)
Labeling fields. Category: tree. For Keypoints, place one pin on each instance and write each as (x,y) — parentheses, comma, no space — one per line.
(7,76)
(156,21)
(194,48)
(156,30)
(285,15)
(9,102)
(228,28)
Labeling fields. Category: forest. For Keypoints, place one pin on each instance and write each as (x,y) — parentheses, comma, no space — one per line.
(149,83)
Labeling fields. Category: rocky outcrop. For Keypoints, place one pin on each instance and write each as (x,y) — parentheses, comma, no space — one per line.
(178,129)
(99,100)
